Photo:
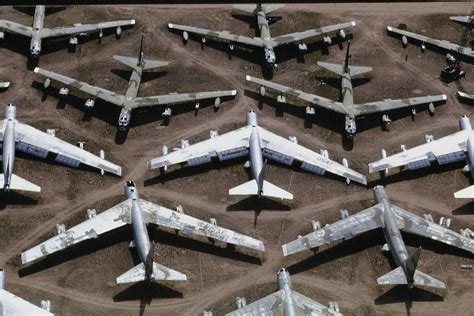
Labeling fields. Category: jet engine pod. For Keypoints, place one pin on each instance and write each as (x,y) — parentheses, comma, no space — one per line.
(2,35)
(73,40)
(63,92)
(118,31)
(327,40)
(302,47)
(404,41)
(423,47)
(262,91)
(342,34)
(431,108)
(185,36)
(89,103)
(47,82)
(231,46)
(217,102)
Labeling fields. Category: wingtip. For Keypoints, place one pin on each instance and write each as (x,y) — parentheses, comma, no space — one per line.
(389,28)
(284,250)
(445,97)
(353,23)
(170,25)
(132,21)
(248,78)
(233,92)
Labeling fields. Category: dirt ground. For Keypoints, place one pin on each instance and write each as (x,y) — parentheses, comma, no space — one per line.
(81,280)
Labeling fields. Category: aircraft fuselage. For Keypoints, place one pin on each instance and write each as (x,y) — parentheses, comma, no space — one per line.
(284,283)
(255,151)
(38,20)
(8,160)
(264,31)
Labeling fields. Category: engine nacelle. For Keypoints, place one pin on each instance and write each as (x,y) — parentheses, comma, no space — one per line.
(118,31)
(81,144)
(262,91)
(203,40)
(281,99)
(2,35)
(324,153)
(196,106)
(102,156)
(423,47)
(91,213)
(302,47)
(465,123)
(184,143)
(342,34)
(45,305)
(310,111)
(293,139)
(124,119)
(240,302)
(73,40)
(60,229)
(345,163)
(217,102)
(386,120)
(316,225)
(166,113)
(47,83)
(350,126)
(413,111)
(231,46)
(213,221)
(431,108)
(383,154)
(89,103)
(344,213)
(404,41)
(429,138)
(213,134)
(51,132)
(185,36)
(63,92)
(327,40)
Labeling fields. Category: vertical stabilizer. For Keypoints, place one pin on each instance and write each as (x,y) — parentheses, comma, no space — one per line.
(409,266)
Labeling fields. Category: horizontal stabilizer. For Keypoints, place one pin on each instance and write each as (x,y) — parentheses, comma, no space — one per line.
(397,276)
(252,8)
(160,272)
(17,183)
(147,63)
(269,190)
(466,193)
(337,69)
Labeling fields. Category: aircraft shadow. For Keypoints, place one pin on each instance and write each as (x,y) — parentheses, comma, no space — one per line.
(146,291)
(17,198)
(466,209)
(146,75)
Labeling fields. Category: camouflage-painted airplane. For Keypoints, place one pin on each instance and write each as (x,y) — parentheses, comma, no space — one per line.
(347,107)
(454,49)
(285,302)
(12,305)
(265,40)
(456,147)
(130,101)
(391,219)
(138,213)
(22,137)
(37,32)
(257,143)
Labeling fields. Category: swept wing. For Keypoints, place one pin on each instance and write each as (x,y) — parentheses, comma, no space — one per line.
(12,305)
(175,98)
(300,36)
(83,28)
(389,104)
(16,28)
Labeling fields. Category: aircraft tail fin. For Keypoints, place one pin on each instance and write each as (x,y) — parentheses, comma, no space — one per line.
(268,189)
(466,193)
(17,183)
(160,272)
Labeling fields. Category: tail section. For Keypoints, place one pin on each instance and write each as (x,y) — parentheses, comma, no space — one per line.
(268,189)
(407,274)
(252,8)
(466,193)
(160,272)
(17,183)
(345,68)
(141,62)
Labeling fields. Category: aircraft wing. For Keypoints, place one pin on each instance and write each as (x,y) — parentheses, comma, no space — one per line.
(114,217)
(300,36)
(347,228)
(465,95)
(219,35)
(189,225)
(466,51)
(445,150)
(227,146)
(16,28)
(175,98)
(285,151)
(12,305)
(100,93)
(389,104)
(269,305)
(417,225)
(37,143)
(466,19)
(309,306)
(83,28)
(311,98)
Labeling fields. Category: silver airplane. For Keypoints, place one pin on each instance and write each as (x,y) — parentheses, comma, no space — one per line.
(130,100)
(19,136)
(391,219)
(12,305)
(451,48)
(285,302)
(347,107)
(138,213)
(258,143)
(38,32)
(265,40)
(456,147)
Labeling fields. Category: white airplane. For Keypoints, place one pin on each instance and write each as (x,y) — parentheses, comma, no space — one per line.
(258,143)
(12,305)
(452,148)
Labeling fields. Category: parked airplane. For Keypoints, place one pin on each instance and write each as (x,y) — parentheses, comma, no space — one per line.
(347,107)
(452,148)
(19,136)
(265,40)
(130,101)
(258,143)
(285,302)
(37,32)
(138,213)
(454,49)
(12,305)
(391,219)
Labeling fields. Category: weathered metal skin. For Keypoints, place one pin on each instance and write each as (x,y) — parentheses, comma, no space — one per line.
(284,283)
(255,151)
(139,229)
(8,162)
(38,20)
